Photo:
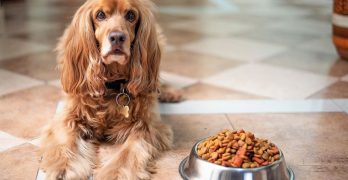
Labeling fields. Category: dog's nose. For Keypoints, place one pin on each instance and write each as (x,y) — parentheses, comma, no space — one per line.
(117,38)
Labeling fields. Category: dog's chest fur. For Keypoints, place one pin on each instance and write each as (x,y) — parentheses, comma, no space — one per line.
(102,121)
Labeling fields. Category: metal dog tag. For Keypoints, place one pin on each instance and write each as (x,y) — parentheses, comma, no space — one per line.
(125,111)
(124,108)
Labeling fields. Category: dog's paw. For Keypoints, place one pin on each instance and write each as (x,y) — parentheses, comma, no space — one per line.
(170,94)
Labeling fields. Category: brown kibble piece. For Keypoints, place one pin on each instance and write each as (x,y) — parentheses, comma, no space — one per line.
(248,141)
(246,165)
(265,156)
(214,155)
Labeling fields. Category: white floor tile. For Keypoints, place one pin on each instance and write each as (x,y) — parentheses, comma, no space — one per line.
(169,48)
(7,141)
(301,26)
(11,82)
(55,83)
(320,45)
(35,142)
(271,81)
(345,78)
(274,11)
(235,48)
(176,80)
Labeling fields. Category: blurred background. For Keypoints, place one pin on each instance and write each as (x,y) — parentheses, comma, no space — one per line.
(258,53)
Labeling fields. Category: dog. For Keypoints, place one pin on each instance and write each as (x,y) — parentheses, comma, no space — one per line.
(108,58)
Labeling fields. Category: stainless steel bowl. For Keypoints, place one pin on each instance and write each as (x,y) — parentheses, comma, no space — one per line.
(194,168)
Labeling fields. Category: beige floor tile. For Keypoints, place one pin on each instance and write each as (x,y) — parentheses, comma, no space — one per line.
(168,165)
(321,172)
(11,82)
(337,90)
(8,141)
(195,65)
(271,81)
(11,48)
(39,65)
(305,139)
(25,112)
(316,62)
(188,129)
(212,28)
(176,80)
(235,48)
(21,162)
(201,91)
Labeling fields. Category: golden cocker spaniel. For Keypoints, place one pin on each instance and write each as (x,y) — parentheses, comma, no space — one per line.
(109,60)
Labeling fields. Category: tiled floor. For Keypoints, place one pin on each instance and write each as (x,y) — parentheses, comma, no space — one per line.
(265,66)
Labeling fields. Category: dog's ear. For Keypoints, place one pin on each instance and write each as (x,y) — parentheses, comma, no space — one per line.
(146,53)
(78,53)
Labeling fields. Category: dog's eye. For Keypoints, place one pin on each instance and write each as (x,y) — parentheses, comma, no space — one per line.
(101,15)
(130,16)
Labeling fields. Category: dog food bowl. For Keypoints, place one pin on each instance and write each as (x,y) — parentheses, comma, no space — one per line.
(194,168)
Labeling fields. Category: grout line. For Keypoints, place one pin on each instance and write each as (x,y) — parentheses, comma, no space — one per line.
(229,121)
(340,104)
(334,102)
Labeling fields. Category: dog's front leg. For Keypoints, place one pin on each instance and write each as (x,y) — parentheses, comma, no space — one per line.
(131,161)
(65,155)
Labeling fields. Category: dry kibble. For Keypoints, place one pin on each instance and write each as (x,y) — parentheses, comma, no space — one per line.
(253,165)
(265,156)
(238,149)
(246,165)
(241,143)
(214,155)
(205,156)
(242,136)
(235,145)
(225,158)
(221,150)
(248,141)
